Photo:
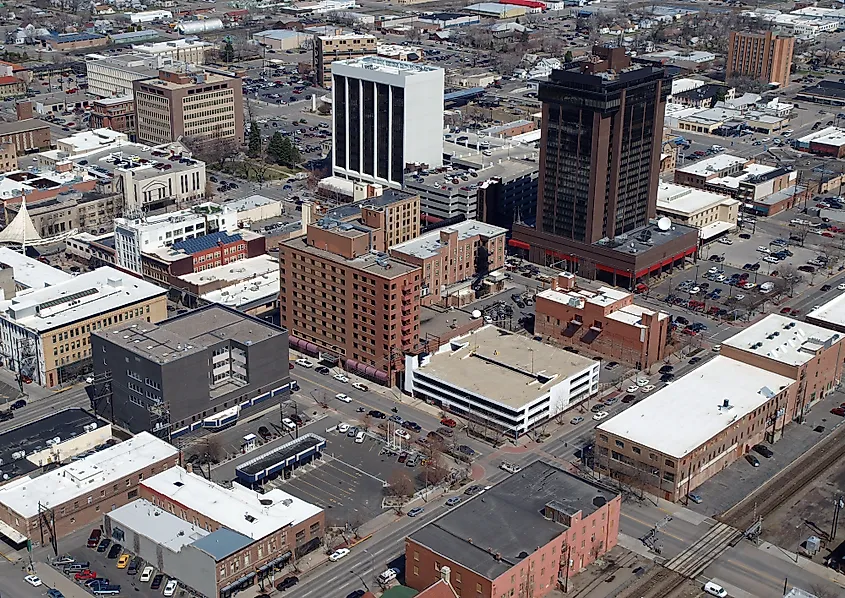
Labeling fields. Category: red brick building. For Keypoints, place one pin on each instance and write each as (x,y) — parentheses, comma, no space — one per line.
(526,536)
(117,114)
(606,321)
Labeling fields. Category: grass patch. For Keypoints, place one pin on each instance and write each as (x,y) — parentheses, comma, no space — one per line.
(253,170)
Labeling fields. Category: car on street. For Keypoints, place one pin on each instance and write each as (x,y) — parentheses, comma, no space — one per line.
(377,414)
(287,582)
(54,593)
(401,433)
(600,415)
(840,411)
(415,511)
(356,594)
(629,398)
(647,388)
(826,288)
(576,420)
(342,397)
(304,363)
(170,588)
(448,422)
(762,449)
(596,408)
(413,426)
(473,490)
(696,498)
(338,554)
(840,287)
(341,378)
(715,590)
(156,582)
(33,580)
(451,502)
(755,462)
(19,404)
(323,370)
(510,467)
(361,387)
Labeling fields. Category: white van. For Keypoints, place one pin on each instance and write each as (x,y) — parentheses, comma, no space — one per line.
(388,576)
(359,438)
(715,590)
(146,574)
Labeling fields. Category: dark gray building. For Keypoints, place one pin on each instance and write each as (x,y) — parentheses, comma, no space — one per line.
(203,369)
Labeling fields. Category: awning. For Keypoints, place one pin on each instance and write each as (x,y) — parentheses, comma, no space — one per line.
(238,582)
(282,559)
(518,243)
(14,535)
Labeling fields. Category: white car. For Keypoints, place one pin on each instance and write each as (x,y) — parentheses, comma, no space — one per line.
(713,270)
(600,415)
(721,278)
(342,397)
(170,588)
(771,259)
(304,363)
(763,249)
(33,580)
(694,290)
(338,554)
(343,428)
(361,387)
(510,467)
(841,287)
(647,388)
(739,297)
(341,378)
(726,241)
(632,388)
(288,423)
(402,433)
(642,381)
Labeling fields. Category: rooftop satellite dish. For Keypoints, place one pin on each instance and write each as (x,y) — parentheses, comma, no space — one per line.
(664,223)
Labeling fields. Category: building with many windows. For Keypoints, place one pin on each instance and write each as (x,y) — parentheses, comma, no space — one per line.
(344,299)
(765,57)
(186,101)
(387,114)
(328,48)
(502,382)
(190,50)
(112,76)
(202,369)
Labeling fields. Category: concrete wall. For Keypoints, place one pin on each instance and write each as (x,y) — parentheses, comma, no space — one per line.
(70,447)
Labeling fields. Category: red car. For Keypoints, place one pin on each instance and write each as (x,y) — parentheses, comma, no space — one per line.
(827,234)
(840,411)
(290,365)
(786,310)
(448,422)
(85,575)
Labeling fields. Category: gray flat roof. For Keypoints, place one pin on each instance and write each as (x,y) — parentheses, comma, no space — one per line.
(146,519)
(19,126)
(508,520)
(429,244)
(189,333)
(367,262)
(223,542)
(645,238)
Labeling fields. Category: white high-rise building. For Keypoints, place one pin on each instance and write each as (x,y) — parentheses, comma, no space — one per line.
(386,114)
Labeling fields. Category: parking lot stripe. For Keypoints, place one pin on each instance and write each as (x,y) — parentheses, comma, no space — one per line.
(360,470)
(332,497)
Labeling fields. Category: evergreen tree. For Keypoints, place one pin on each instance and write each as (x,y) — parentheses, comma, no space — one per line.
(568,56)
(228,54)
(276,147)
(254,140)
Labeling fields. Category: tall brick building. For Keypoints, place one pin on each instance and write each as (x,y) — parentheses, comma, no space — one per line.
(765,57)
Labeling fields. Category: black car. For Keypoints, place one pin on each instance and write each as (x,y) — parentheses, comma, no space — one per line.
(156,584)
(667,377)
(18,404)
(596,408)
(611,365)
(667,369)
(322,370)
(694,360)
(356,594)
(464,449)
(825,288)
(755,462)
(744,236)
(412,426)
(265,433)
(115,551)
(629,398)
(134,564)
(6,416)
(377,414)
(103,546)
(473,490)
(287,582)
(763,450)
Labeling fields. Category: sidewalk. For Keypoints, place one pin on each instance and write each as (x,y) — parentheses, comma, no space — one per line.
(54,579)
(805,563)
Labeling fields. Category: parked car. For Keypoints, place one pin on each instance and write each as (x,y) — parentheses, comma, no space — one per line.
(755,462)
(94,538)
(123,561)
(156,583)
(473,490)
(115,551)
(361,387)
(416,511)
(451,502)
(696,498)
(448,422)
(287,582)
(510,467)
(576,420)
(338,554)
(763,450)
(103,545)
(170,588)
(304,363)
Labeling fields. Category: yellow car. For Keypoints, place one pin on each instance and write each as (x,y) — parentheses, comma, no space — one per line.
(123,561)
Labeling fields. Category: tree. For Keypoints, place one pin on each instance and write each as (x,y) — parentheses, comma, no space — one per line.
(568,56)
(401,488)
(254,140)
(366,422)
(276,147)
(228,52)
(791,276)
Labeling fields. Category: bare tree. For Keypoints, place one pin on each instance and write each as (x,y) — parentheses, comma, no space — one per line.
(401,487)
(366,422)
(791,276)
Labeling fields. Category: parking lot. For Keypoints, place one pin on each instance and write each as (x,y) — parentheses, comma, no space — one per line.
(106,568)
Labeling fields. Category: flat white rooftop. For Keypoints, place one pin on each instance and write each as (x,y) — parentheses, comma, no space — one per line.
(429,244)
(687,413)
(235,272)
(784,340)
(603,297)
(31,273)
(85,476)
(169,46)
(750,170)
(828,136)
(239,509)
(79,298)
(688,201)
(832,312)
(157,524)
(708,166)
(86,141)
(180,218)
(509,369)
(381,64)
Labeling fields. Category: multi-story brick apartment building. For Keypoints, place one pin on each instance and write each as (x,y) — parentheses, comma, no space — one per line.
(188,101)
(116,113)
(522,537)
(396,213)
(765,57)
(247,534)
(810,354)
(340,297)
(328,48)
(77,495)
(452,255)
(607,322)
(685,433)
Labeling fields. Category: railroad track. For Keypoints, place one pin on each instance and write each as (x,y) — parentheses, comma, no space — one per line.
(659,585)
(787,483)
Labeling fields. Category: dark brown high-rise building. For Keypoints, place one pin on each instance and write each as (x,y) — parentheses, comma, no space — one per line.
(600,157)
(599,170)
(765,57)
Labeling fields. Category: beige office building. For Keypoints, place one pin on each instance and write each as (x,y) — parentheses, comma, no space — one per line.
(328,48)
(189,102)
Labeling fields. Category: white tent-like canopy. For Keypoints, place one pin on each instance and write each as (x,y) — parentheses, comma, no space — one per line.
(21,231)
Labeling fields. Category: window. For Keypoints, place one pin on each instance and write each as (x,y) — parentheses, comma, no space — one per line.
(478,588)
(132,494)
(458,576)
(416,570)
(416,556)
(620,444)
